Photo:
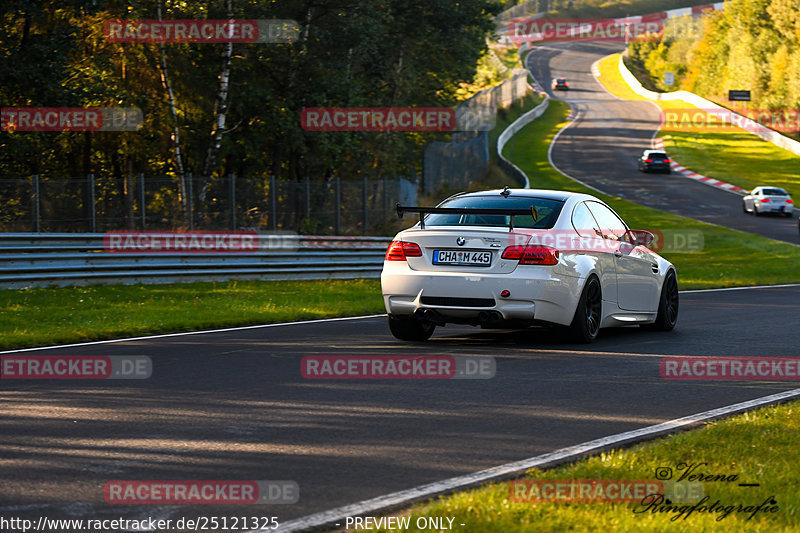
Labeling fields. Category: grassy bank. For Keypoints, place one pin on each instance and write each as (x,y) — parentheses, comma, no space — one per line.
(756,447)
(36,317)
(731,155)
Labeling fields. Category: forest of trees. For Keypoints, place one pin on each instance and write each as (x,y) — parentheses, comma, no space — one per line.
(752,45)
(350,53)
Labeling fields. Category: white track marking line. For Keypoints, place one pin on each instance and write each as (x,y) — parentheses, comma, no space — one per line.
(404,498)
(743,288)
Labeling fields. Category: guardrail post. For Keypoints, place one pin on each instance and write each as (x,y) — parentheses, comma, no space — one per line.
(142,211)
(385,197)
(190,194)
(337,201)
(273,203)
(308,197)
(364,202)
(36,203)
(93,213)
(232,182)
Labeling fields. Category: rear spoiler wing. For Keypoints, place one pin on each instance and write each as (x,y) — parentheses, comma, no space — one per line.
(511,213)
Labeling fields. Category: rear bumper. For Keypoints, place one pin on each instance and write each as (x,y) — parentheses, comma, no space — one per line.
(536,294)
(767,208)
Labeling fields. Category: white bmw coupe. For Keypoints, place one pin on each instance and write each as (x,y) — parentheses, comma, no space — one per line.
(521,257)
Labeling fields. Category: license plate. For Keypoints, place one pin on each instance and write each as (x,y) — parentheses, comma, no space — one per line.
(462,257)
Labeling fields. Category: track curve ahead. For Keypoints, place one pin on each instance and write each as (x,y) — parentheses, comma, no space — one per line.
(601,146)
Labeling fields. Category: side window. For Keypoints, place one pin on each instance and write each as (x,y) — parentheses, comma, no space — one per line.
(583,221)
(612,227)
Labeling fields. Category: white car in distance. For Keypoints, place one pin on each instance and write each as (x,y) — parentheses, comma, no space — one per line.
(521,257)
(768,200)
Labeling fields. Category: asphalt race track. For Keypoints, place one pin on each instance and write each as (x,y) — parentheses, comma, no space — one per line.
(233,405)
(600,148)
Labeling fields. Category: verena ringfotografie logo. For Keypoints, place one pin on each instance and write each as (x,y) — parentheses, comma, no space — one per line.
(543,30)
(378,119)
(13,119)
(716,119)
(75,367)
(201,31)
(397,367)
(201,492)
(730,368)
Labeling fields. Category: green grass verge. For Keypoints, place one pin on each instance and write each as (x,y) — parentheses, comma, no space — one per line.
(757,447)
(46,316)
(733,155)
(729,257)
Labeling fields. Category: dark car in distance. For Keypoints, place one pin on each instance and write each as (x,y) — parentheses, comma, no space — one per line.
(560,84)
(654,160)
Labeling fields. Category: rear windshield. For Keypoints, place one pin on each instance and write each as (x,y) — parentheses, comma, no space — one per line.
(547,212)
(774,192)
(657,155)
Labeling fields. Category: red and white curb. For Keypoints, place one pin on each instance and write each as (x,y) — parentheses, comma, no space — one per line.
(574,112)
(658,144)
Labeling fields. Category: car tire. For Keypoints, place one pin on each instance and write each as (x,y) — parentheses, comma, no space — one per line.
(744,208)
(668,171)
(407,329)
(586,323)
(789,215)
(755,210)
(667,305)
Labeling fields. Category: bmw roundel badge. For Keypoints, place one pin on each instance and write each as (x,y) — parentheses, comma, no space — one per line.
(460,241)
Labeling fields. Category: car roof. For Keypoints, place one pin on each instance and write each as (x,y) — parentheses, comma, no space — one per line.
(654,152)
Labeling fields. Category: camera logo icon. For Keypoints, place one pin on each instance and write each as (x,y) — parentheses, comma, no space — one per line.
(663,473)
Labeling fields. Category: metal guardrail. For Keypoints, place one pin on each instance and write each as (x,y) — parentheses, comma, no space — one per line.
(62,259)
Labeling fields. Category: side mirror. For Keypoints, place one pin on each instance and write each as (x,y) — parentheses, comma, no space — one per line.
(640,237)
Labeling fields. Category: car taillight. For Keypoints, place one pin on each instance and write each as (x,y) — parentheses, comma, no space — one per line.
(789,201)
(532,255)
(764,200)
(398,251)
(667,161)
(648,160)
